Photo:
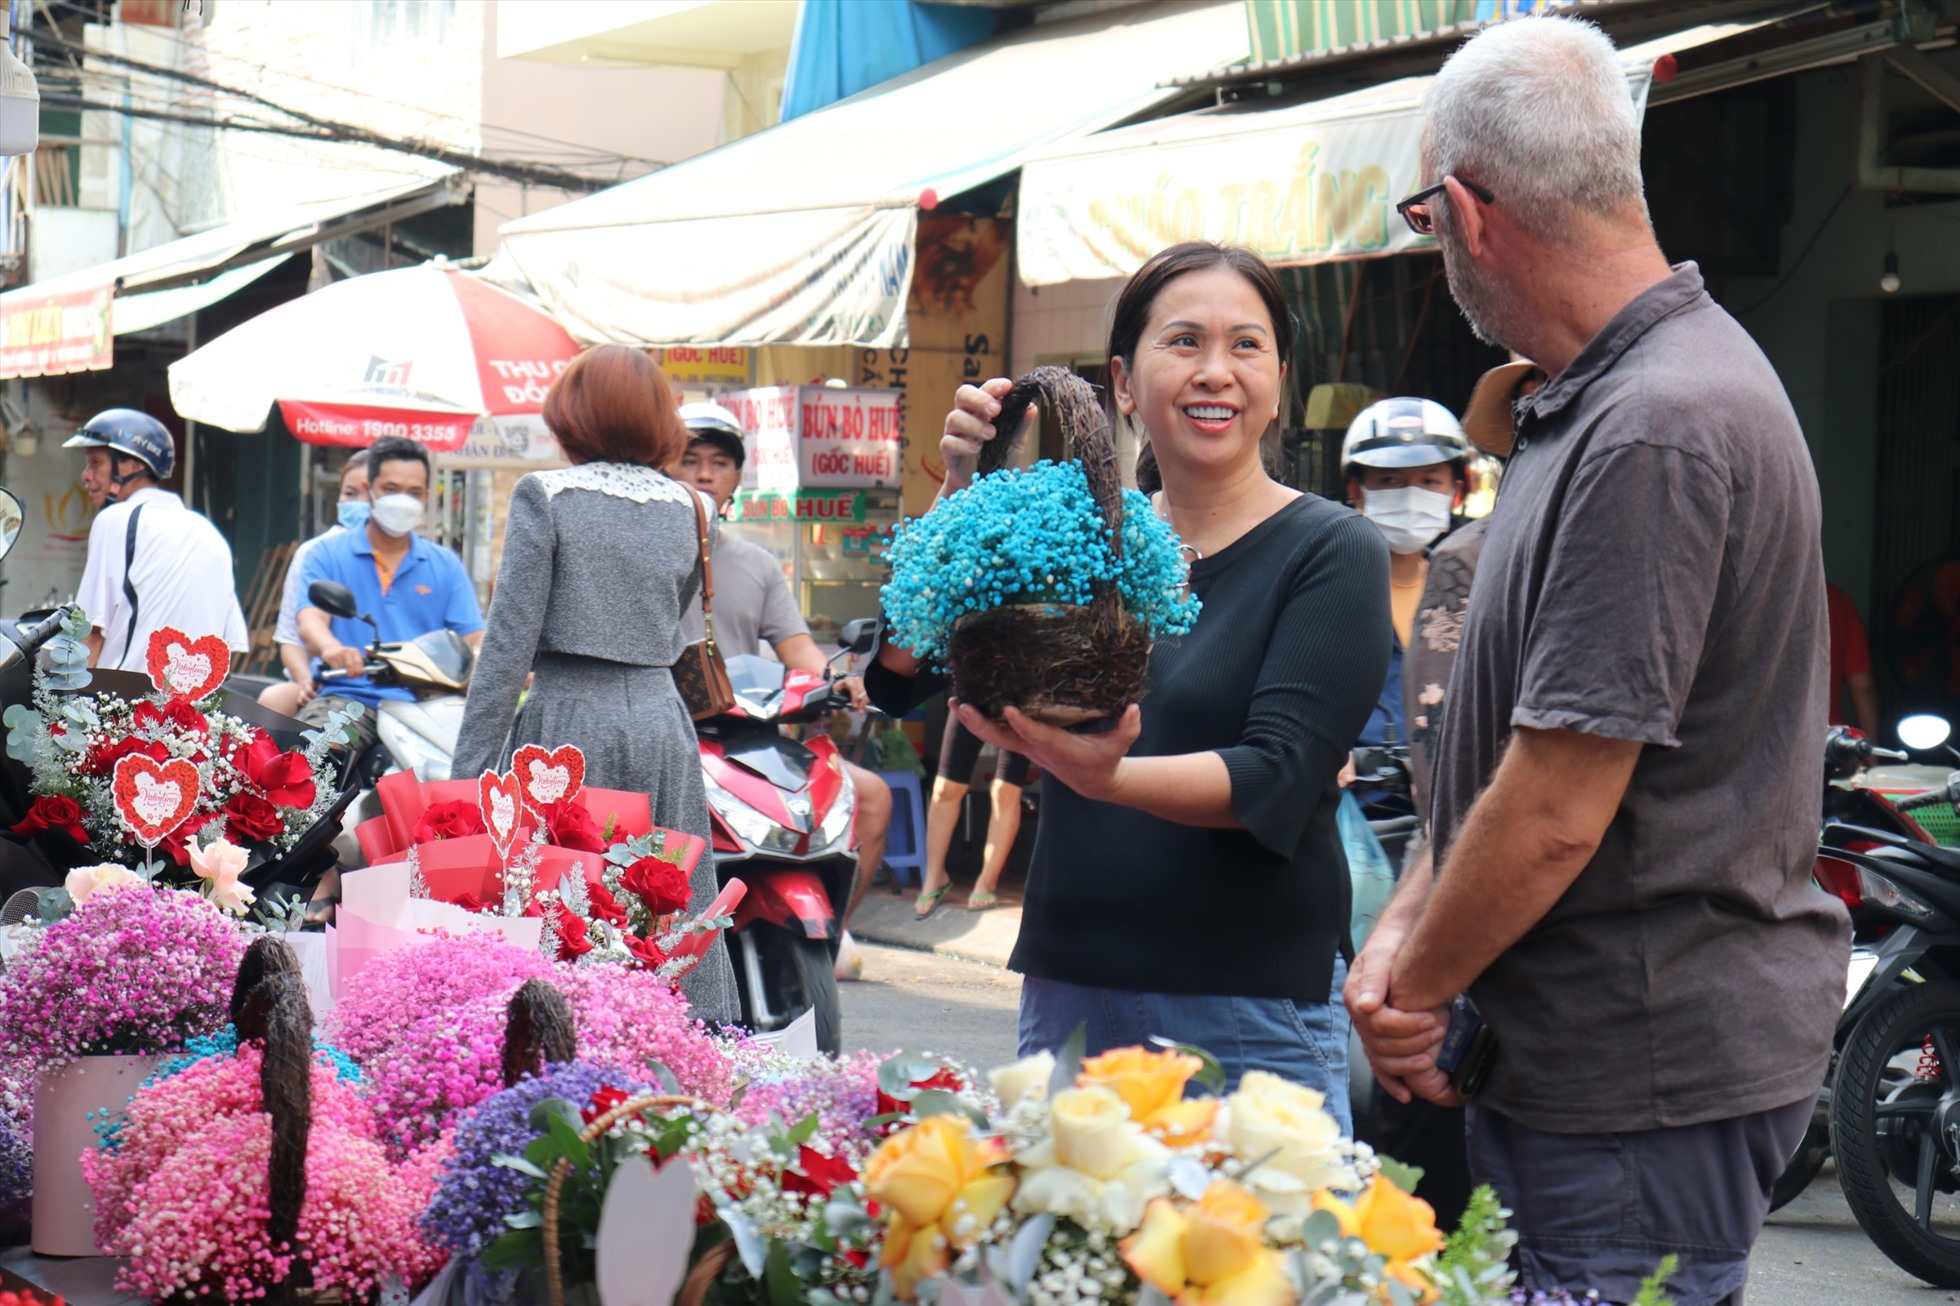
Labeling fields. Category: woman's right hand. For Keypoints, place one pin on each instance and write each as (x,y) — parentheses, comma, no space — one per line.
(968,427)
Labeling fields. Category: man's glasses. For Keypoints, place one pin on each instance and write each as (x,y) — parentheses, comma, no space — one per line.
(1415,209)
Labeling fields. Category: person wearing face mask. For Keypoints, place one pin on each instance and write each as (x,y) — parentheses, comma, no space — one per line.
(1406,464)
(409,585)
(351,515)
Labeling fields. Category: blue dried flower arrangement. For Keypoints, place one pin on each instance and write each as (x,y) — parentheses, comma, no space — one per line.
(1041,589)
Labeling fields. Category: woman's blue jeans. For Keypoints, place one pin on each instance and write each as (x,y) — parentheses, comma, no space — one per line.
(1303,1042)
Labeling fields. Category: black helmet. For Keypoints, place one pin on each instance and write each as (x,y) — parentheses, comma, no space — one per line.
(136,435)
(718,427)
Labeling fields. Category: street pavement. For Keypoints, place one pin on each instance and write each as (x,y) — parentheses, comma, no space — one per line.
(1811,1254)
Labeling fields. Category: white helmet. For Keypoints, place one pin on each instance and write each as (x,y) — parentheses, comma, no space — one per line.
(711,422)
(1403,433)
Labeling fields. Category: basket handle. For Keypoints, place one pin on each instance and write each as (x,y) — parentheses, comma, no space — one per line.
(554,1188)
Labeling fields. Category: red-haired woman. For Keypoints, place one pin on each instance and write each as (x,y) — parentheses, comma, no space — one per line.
(600,560)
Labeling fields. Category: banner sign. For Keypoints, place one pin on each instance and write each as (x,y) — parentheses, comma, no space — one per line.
(357,427)
(1314,183)
(818,437)
(798,506)
(49,334)
(706,365)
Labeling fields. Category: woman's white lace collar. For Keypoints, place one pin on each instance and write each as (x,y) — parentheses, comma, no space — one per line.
(616,480)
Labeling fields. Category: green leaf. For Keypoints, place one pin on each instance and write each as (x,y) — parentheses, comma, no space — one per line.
(1651,1293)
(520,1164)
(514,1251)
(805,1130)
(780,1285)
(525,1220)
(1405,1177)
(1210,1076)
(665,1078)
(1068,1062)
(939,1102)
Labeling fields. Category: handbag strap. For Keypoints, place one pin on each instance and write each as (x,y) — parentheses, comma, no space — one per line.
(707,571)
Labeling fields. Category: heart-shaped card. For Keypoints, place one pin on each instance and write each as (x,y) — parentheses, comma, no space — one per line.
(187,668)
(502,801)
(154,798)
(549,777)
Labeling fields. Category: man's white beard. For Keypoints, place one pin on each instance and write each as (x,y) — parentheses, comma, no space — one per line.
(1492,310)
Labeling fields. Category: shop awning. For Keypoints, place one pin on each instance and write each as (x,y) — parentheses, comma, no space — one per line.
(1313,183)
(68,323)
(803,234)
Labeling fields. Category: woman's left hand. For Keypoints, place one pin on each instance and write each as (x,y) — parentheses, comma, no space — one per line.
(1088,764)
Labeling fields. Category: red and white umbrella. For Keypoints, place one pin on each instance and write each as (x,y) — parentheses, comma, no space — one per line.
(426,352)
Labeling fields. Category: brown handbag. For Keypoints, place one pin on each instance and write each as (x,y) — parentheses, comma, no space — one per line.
(700,675)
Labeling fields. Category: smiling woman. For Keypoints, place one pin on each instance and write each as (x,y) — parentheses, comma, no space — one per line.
(1188,879)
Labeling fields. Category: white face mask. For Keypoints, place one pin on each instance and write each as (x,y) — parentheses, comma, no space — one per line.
(1409,517)
(397,514)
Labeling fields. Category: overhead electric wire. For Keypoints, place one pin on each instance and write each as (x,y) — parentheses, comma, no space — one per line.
(601,157)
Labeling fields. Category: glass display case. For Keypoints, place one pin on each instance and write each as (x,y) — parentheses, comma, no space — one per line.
(832,547)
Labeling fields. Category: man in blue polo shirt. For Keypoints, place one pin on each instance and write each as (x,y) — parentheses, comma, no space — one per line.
(409,585)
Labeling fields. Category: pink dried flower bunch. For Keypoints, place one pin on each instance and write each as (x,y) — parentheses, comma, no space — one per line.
(445,1063)
(132,971)
(627,1018)
(404,987)
(184,1196)
(842,1094)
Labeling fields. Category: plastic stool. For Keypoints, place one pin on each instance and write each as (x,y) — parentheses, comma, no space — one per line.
(905,849)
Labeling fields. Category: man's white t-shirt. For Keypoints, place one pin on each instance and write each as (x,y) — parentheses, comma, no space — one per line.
(182,577)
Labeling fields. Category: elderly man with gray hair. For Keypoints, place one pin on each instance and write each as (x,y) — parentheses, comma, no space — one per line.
(1625,792)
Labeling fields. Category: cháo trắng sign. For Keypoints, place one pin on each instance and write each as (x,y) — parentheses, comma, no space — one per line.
(50,334)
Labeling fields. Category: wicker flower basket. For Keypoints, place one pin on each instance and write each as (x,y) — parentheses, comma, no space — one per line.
(1062,664)
(694,1289)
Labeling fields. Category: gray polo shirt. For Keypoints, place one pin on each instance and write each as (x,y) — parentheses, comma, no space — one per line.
(753,603)
(1652,573)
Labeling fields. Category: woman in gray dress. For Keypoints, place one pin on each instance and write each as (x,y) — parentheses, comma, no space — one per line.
(600,560)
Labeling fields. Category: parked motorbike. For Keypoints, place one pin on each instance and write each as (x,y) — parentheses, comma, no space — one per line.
(417,734)
(784,816)
(1894,1100)
(44,859)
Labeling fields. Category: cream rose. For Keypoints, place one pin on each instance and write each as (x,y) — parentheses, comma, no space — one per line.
(1026,1078)
(1098,1167)
(84,881)
(222,862)
(1094,1134)
(1301,1145)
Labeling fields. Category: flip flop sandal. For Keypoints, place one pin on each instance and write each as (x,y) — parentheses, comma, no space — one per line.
(928,901)
(982,900)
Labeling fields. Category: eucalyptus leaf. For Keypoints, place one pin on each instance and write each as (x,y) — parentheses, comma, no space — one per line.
(939,1102)
(900,1070)
(1210,1076)
(665,1078)
(1024,1255)
(805,1129)
(524,1220)
(1149,1296)
(1188,1176)
(749,1243)
(780,1285)
(1405,1177)
(24,725)
(55,904)
(844,1217)
(1321,1228)
(1068,1062)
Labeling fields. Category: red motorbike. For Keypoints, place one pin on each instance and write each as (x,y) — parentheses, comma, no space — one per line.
(784,816)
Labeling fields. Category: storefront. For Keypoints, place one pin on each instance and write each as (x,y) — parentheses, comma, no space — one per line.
(820,491)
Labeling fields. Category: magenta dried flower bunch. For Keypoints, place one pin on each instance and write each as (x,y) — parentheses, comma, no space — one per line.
(444,1064)
(184,1197)
(130,972)
(627,1018)
(405,987)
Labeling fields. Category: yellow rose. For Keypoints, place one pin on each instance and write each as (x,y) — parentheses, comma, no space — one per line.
(1212,1254)
(1093,1131)
(937,1180)
(1146,1081)
(1302,1145)
(1027,1077)
(1393,1223)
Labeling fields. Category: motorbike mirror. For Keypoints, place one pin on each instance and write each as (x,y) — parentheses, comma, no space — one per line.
(333,598)
(11,516)
(1923,731)
(859,636)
